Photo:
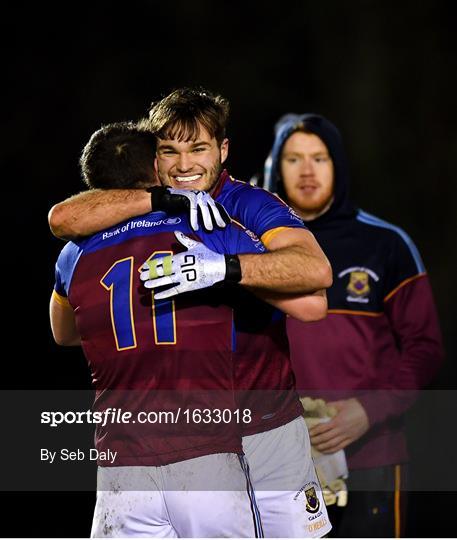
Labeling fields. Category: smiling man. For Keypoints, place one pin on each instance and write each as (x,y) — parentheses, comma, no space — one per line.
(191,164)
(189,126)
(191,144)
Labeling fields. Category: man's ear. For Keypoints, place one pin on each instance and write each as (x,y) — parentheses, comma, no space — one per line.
(224,150)
(155,177)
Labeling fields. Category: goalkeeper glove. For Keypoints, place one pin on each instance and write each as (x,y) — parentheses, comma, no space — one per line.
(196,268)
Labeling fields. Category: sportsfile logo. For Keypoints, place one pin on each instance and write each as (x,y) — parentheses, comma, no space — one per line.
(113,415)
(142,223)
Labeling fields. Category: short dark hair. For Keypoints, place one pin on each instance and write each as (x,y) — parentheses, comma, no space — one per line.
(180,114)
(119,155)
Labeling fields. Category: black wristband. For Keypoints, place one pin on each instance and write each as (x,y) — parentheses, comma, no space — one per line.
(233,268)
(157,193)
(171,203)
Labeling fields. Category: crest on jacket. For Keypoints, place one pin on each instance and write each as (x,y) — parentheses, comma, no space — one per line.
(358,286)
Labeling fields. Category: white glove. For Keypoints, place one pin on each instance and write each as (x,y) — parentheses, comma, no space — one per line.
(197,268)
(209,208)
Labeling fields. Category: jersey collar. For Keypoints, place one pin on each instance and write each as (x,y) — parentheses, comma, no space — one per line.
(223,178)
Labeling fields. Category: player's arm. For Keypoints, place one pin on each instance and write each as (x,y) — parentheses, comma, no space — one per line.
(305,308)
(199,267)
(294,264)
(63,324)
(92,211)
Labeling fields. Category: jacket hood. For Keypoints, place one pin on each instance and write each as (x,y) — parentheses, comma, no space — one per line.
(329,134)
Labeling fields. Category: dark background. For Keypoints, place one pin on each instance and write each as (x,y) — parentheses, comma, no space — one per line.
(385,73)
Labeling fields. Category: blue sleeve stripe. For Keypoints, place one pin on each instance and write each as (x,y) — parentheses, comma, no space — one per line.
(72,271)
(364,217)
(66,264)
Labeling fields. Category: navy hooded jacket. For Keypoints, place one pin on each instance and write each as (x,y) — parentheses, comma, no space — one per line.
(381,340)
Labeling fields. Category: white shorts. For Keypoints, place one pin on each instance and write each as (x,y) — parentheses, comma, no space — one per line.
(287,490)
(202,497)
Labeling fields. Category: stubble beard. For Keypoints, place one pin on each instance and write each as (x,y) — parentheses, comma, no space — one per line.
(214,175)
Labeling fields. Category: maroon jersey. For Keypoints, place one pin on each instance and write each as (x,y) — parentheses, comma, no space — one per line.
(264,372)
(166,359)
(264,378)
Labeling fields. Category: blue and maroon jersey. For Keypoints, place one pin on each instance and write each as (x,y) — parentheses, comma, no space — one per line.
(264,374)
(258,210)
(153,356)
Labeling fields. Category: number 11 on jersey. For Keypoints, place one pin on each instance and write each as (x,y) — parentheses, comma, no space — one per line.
(119,282)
